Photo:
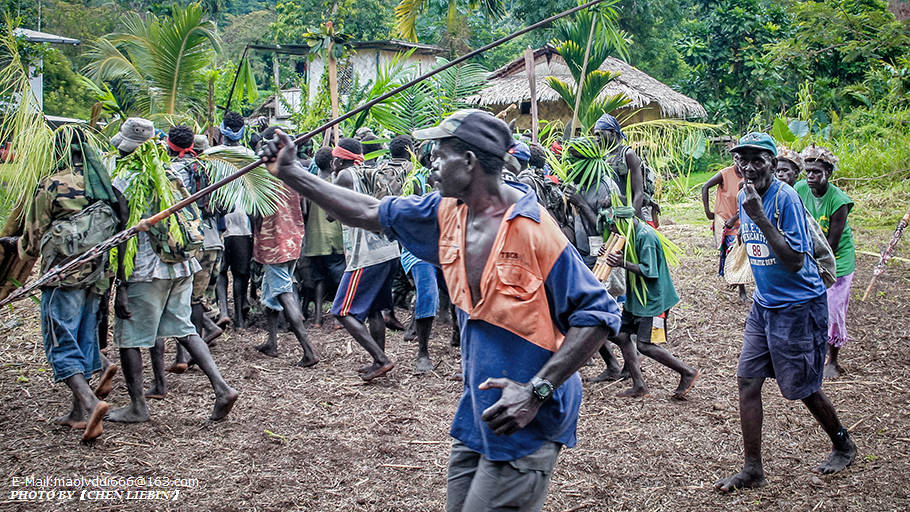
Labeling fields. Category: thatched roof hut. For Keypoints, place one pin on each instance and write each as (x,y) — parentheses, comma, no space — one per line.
(651,99)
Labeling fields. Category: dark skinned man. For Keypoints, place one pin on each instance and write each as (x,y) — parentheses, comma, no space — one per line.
(365,290)
(530,312)
(277,242)
(155,302)
(787,329)
(830,206)
(727,180)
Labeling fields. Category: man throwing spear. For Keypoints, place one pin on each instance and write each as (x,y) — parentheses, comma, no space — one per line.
(528,307)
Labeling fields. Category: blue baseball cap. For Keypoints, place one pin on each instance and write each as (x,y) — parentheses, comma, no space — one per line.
(757,140)
(520,151)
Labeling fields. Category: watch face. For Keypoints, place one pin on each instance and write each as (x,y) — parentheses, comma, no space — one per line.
(543,390)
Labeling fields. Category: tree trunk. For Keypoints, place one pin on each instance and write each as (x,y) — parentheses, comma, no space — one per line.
(532,80)
(333,88)
(581,81)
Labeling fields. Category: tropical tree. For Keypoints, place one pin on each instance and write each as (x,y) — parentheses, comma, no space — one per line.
(407,12)
(163,58)
(425,103)
(584,44)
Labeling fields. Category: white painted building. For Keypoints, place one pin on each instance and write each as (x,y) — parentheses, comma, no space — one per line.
(365,61)
(37,79)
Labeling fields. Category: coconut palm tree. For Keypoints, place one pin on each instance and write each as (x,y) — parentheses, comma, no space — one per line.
(162,57)
(585,43)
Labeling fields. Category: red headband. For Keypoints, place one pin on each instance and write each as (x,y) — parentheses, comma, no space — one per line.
(344,154)
(177,149)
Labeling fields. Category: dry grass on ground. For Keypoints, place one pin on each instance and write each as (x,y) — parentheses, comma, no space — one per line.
(320,439)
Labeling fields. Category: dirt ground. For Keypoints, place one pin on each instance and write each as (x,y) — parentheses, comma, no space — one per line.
(320,439)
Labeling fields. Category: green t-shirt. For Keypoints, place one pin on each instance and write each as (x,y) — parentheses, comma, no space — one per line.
(653,264)
(822,208)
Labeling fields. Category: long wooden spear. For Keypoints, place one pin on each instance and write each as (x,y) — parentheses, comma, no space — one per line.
(61,270)
(888,252)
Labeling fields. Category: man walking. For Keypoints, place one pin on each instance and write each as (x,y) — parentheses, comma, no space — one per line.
(787,329)
(530,312)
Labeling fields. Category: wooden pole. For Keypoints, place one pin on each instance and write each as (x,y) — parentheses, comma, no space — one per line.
(532,81)
(888,252)
(333,80)
(584,72)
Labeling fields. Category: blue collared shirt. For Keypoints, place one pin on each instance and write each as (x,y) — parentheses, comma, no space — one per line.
(574,298)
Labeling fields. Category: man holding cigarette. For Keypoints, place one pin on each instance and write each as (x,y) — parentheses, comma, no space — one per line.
(786,332)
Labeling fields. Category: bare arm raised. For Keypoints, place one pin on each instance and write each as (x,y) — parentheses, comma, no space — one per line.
(351,208)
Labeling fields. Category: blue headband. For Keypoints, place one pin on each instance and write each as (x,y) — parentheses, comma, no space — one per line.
(231,134)
(608,123)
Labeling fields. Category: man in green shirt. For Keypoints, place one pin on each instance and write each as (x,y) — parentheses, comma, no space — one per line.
(643,303)
(830,206)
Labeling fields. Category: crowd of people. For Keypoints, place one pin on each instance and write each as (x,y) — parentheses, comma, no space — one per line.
(469,219)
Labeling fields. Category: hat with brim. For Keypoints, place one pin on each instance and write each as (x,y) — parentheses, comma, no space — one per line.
(133,132)
(475,127)
(756,140)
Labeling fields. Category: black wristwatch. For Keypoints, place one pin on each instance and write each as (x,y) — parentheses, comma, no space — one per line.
(541,388)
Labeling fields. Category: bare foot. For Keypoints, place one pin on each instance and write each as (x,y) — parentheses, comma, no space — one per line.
(128,414)
(633,392)
(178,368)
(424,364)
(106,384)
(307,362)
(73,419)
(686,382)
(93,427)
(366,368)
(268,349)
(745,479)
(156,393)
(210,337)
(377,371)
(833,371)
(224,322)
(608,375)
(838,460)
(223,404)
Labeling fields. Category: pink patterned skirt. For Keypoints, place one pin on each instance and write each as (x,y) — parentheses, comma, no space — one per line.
(838,299)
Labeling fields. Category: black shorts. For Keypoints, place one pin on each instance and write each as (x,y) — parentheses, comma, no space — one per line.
(238,252)
(640,326)
(328,268)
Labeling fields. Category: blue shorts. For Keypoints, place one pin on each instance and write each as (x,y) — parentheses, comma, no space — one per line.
(69,325)
(424,276)
(365,290)
(159,308)
(788,344)
(276,280)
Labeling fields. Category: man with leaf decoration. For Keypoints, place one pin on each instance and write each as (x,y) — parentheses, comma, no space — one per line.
(786,332)
(650,293)
(626,167)
(181,148)
(71,211)
(153,298)
(530,311)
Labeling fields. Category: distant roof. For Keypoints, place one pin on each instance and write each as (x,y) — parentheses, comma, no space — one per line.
(33,36)
(387,44)
(397,44)
(509,84)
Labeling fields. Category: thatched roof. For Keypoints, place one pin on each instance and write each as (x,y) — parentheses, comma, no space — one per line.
(509,84)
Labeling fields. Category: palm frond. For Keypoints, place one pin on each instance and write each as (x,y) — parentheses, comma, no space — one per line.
(257,191)
(406,13)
